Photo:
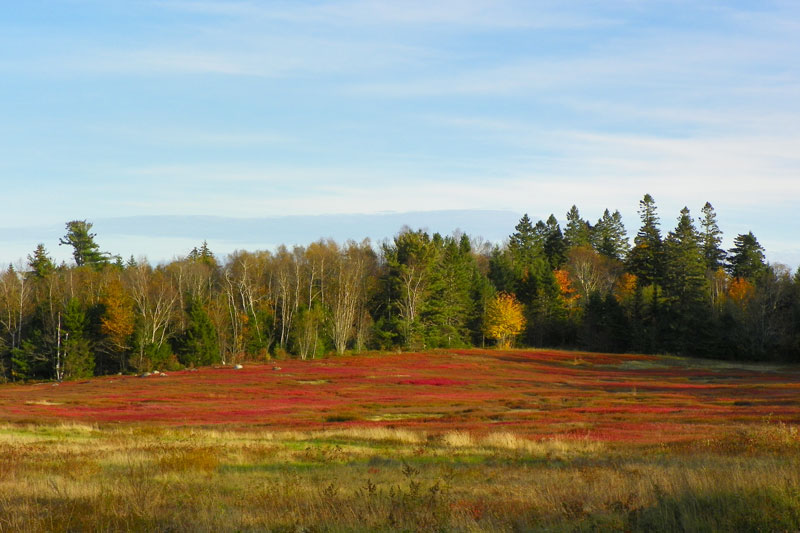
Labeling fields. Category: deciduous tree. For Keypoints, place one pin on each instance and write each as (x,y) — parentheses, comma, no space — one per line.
(504,320)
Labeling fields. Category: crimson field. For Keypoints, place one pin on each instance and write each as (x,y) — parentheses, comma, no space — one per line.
(533,394)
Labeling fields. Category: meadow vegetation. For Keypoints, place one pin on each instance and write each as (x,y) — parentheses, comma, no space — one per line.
(555,441)
(75,477)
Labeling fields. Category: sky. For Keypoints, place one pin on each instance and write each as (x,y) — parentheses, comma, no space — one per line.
(254,110)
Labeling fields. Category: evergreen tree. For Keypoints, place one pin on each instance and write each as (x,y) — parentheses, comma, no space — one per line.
(609,237)
(554,245)
(644,260)
(526,242)
(685,285)
(605,327)
(199,344)
(578,231)
(85,250)
(711,238)
(685,266)
(503,273)
(78,357)
(746,258)
(410,261)
(449,306)
(203,255)
(41,264)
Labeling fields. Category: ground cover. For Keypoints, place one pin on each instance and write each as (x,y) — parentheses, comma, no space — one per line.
(466,440)
(534,394)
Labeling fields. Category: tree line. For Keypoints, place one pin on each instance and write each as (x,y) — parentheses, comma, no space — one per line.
(584,286)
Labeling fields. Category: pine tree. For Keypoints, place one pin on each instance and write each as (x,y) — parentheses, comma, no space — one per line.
(711,238)
(85,250)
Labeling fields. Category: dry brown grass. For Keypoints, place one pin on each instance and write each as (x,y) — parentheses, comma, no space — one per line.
(85,478)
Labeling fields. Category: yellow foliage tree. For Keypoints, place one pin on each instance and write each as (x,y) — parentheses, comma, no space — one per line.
(504,319)
(117,321)
(625,287)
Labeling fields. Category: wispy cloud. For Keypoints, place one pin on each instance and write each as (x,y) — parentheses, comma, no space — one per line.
(496,14)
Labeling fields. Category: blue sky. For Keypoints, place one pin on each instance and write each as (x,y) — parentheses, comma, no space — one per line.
(266,109)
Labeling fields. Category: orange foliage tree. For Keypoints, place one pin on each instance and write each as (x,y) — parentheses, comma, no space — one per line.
(568,292)
(504,319)
(740,290)
(625,287)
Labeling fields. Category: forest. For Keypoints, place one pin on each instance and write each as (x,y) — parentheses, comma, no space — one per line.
(584,286)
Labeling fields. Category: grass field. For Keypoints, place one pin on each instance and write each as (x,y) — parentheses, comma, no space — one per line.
(448,441)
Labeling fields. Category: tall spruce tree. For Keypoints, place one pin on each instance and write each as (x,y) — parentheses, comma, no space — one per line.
(554,245)
(578,231)
(685,267)
(711,238)
(78,356)
(448,308)
(609,237)
(644,260)
(199,344)
(40,263)
(525,243)
(746,258)
(685,287)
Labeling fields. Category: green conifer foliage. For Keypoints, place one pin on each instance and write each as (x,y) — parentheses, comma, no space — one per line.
(609,237)
(526,242)
(644,260)
(711,238)
(41,264)
(685,266)
(746,258)
(555,246)
(78,356)
(577,232)
(450,305)
(199,344)
(85,250)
